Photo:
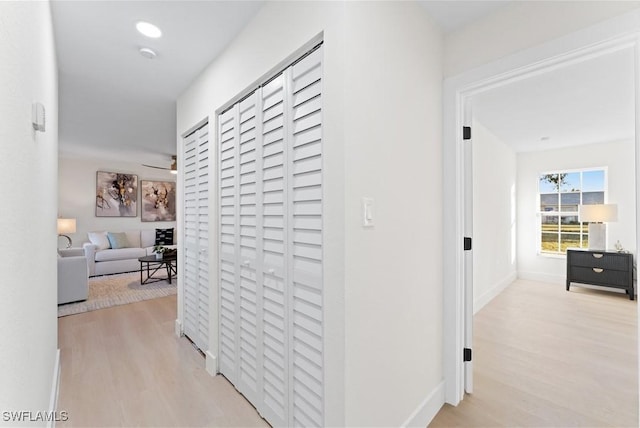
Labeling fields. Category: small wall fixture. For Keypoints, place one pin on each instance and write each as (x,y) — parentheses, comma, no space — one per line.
(66,225)
(596,216)
(38,117)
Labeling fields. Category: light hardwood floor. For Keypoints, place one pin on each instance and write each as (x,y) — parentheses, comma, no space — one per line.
(123,366)
(545,357)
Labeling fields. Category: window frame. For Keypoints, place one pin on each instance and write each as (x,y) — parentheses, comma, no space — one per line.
(559,214)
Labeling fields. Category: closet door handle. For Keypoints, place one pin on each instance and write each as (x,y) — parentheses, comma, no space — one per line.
(598,270)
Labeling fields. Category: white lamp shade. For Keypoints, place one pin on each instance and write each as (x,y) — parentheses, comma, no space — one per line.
(66,225)
(600,213)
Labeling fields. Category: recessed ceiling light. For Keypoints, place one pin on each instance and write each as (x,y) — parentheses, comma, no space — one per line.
(148,29)
(147,53)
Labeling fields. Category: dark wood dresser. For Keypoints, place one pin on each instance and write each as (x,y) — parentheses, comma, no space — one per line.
(603,268)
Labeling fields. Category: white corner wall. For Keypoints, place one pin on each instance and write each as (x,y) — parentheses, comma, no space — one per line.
(382,132)
(494,215)
(28,161)
(77,191)
(618,157)
(527,24)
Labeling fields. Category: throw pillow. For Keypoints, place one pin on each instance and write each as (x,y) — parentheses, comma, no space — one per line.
(100,239)
(164,236)
(118,240)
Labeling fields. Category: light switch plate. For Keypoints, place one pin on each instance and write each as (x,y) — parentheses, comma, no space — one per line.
(367,212)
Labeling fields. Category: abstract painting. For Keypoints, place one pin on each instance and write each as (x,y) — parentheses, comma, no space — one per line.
(116,194)
(158,200)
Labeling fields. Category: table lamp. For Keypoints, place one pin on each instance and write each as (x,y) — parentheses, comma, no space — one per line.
(66,225)
(597,216)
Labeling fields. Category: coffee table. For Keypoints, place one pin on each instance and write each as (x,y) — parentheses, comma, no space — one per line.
(153,265)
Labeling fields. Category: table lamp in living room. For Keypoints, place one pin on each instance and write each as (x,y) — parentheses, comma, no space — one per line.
(597,215)
(65,226)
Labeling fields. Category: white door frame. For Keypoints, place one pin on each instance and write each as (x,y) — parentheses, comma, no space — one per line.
(609,36)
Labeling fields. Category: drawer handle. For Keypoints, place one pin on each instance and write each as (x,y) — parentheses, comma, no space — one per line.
(598,270)
(597,255)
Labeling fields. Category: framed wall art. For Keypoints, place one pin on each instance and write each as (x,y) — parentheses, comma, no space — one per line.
(116,194)
(158,200)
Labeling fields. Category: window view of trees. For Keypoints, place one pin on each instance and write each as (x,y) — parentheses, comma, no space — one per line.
(560,195)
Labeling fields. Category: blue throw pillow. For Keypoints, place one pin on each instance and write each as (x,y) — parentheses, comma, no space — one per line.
(118,240)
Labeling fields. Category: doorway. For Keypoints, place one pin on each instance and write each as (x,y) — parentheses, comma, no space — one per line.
(583,46)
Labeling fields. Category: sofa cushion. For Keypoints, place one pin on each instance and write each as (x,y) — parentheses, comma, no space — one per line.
(147,238)
(118,240)
(100,239)
(119,254)
(133,236)
(164,236)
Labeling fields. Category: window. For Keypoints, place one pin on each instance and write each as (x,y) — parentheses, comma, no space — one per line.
(560,194)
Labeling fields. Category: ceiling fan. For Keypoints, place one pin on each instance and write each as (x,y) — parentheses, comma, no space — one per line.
(173,169)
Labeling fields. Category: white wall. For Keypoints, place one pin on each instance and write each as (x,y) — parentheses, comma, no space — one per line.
(618,156)
(494,215)
(393,123)
(382,132)
(527,24)
(77,196)
(28,162)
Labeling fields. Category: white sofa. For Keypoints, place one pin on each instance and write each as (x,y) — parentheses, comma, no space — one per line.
(104,261)
(73,276)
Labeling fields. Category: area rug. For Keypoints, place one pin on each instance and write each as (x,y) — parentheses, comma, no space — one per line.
(120,289)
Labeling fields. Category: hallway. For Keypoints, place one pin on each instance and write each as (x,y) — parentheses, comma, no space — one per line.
(124,366)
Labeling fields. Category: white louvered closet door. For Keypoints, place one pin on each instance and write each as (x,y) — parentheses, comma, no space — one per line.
(196,237)
(304,223)
(271,295)
(229,241)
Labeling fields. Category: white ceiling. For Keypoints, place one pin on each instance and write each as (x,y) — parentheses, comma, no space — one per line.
(118,104)
(452,15)
(114,101)
(589,102)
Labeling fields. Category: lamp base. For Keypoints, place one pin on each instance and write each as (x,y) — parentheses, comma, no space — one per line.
(597,236)
(69,240)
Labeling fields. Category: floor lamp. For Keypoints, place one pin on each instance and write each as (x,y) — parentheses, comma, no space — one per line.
(597,216)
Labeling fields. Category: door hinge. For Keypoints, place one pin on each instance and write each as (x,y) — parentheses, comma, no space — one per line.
(467,355)
(467,243)
(466,132)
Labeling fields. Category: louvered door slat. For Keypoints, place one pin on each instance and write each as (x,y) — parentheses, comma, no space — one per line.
(229,231)
(270,241)
(274,339)
(305,190)
(203,237)
(248,286)
(195,259)
(190,299)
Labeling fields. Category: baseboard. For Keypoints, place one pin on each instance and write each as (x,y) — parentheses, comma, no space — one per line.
(486,297)
(178,328)
(542,277)
(428,409)
(55,388)
(210,363)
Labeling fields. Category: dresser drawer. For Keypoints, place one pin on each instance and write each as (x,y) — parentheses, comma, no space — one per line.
(600,260)
(599,276)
